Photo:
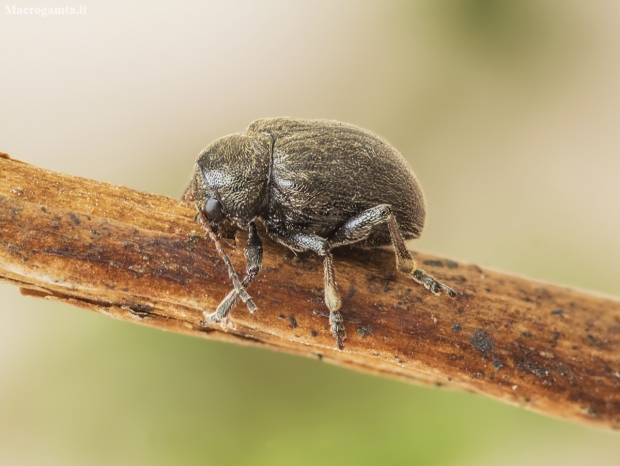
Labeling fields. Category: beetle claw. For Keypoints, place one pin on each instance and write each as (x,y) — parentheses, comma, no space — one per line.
(212,319)
(337,328)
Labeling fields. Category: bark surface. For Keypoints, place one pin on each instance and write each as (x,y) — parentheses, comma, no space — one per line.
(142,258)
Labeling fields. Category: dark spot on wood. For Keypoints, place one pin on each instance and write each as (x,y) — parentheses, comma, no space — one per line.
(558,312)
(482,341)
(529,364)
(351,292)
(282,316)
(365,330)
(433,263)
(75,218)
(497,365)
(141,308)
(43,208)
(457,328)
(314,333)
(451,264)
(292,321)
(526,334)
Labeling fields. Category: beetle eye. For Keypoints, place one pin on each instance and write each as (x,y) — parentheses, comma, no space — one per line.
(213,209)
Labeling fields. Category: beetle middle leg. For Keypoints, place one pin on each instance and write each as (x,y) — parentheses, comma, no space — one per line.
(302,242)
(359,228)
(253,253)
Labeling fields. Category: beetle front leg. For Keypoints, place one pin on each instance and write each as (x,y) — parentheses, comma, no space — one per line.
(253,253)
(204,222)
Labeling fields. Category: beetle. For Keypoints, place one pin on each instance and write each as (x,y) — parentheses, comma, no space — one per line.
(316,185)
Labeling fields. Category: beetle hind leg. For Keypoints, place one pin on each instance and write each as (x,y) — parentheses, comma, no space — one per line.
(359,228)
(406,264)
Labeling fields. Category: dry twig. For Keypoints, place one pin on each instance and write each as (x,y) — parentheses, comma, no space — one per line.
(141,257)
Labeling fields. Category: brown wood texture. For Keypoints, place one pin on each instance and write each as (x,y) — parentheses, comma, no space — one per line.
(142,258)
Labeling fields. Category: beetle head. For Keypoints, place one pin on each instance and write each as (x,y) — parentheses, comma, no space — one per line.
(230,179)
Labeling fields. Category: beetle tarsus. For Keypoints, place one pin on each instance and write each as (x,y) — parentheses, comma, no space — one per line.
(222,310)
(431,284)
(337,327)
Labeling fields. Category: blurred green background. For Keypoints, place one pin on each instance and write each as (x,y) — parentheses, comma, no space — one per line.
(508,111)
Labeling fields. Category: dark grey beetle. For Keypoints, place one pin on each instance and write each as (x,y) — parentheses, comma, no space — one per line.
(316,185)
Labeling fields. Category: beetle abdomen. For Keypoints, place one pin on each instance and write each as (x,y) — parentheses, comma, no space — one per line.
(325,172)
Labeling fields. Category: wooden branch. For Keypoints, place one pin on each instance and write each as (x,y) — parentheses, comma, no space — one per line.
(141,257)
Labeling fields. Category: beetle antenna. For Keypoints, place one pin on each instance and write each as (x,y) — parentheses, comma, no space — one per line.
(231,271)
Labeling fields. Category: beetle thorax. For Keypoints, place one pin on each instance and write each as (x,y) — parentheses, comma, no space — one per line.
(234,170)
